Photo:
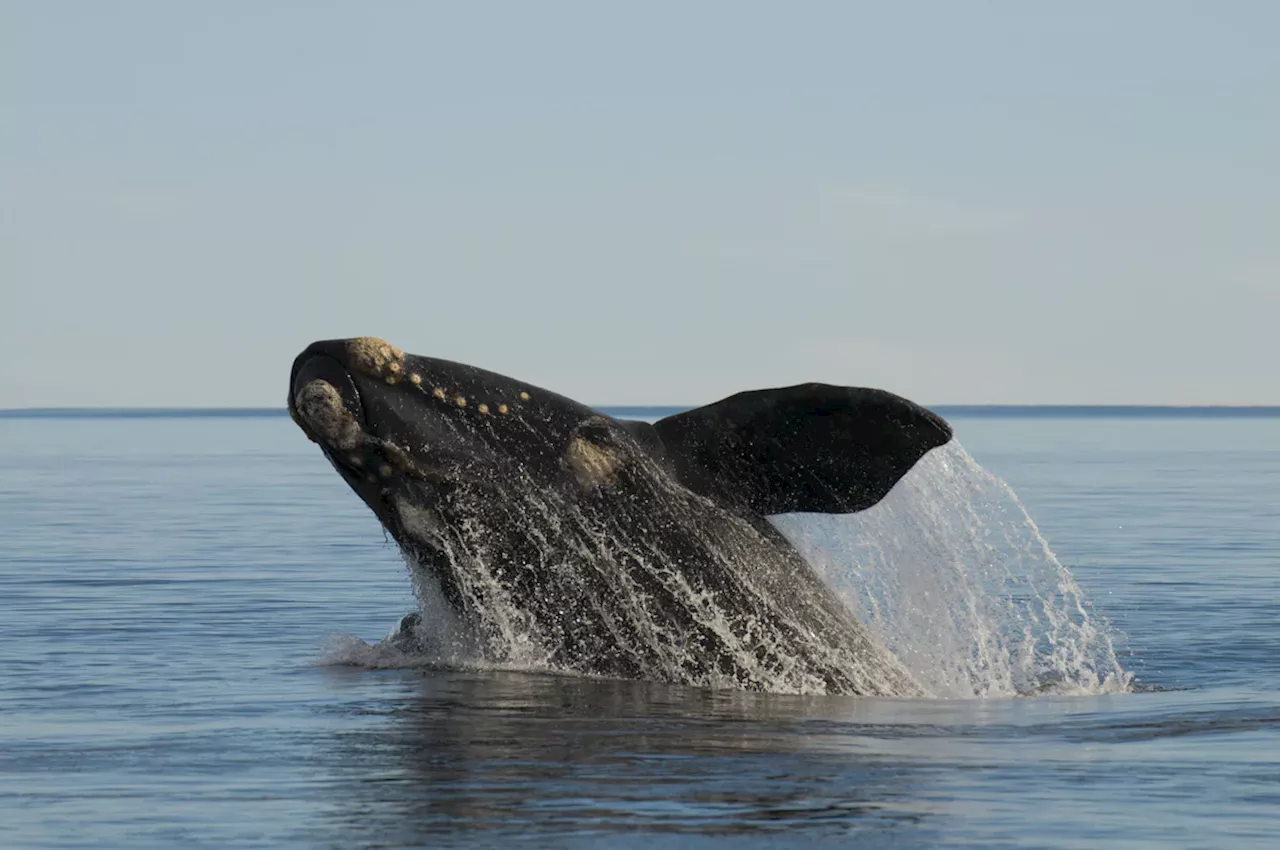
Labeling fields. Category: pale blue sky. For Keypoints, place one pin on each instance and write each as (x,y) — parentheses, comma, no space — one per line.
(651,203)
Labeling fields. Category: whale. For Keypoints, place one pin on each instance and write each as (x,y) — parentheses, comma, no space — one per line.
(555,535)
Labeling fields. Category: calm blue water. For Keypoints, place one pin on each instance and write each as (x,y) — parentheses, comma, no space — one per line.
(168,584)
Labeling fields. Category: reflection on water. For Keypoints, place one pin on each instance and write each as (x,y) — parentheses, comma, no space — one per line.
(512,754)
(480,759)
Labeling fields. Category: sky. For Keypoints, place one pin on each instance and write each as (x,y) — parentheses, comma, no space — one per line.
(644,203)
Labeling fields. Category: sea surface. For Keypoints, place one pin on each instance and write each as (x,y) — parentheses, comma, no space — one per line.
(179,595)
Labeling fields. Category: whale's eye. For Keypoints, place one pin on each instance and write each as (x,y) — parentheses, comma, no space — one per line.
(596,431)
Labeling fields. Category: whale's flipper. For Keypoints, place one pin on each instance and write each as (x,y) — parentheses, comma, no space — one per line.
(811,448)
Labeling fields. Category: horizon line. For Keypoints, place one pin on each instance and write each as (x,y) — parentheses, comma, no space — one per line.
(1009,410)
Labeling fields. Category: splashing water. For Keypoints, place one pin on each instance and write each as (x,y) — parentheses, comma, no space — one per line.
(746,615)
(951,574)
(948,574)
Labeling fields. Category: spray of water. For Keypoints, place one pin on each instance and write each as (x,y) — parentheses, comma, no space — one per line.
(948,574)
(952,575)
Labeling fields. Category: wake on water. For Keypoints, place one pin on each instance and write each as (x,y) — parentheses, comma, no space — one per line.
(948,572)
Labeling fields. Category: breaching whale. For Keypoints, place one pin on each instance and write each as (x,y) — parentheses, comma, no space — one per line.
(618,548)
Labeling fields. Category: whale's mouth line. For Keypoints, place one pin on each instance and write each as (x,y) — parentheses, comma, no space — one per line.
(342,462)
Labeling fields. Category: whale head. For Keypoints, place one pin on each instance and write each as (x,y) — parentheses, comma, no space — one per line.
(421,440)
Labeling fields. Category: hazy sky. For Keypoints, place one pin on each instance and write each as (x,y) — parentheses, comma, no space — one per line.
(647,202)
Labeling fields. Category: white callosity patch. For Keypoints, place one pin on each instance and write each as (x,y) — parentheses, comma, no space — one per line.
(320,405)
(375,358)
(952,575)
(593,465)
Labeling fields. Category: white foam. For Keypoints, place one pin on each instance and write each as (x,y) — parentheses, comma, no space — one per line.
(343,650)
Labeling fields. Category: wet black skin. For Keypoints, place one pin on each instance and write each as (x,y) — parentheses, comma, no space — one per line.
(625,549)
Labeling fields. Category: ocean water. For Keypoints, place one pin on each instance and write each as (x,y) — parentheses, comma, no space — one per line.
(177,595)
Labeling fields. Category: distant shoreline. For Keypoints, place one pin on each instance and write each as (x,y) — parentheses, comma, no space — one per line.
(976,411)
